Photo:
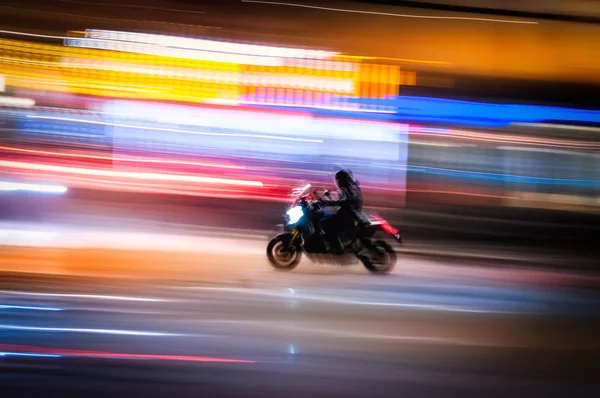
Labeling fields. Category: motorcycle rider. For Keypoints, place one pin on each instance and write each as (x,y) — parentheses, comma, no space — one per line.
(351,204)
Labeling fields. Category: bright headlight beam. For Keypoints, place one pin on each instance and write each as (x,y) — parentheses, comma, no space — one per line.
(295,214)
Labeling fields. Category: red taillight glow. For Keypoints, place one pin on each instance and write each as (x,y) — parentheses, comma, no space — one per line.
(385,225)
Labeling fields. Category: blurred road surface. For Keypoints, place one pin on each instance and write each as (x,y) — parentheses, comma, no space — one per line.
(97,302)
(238,256)
(319,335)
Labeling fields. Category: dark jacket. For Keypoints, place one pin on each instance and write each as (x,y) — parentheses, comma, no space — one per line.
(350,201)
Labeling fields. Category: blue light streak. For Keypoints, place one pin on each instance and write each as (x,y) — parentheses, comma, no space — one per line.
(23,307)
(501,177)
(24,354)
(445,111)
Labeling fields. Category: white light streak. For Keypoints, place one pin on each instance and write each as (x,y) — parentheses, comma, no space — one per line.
(208,45)
(84,330)
(389,14)
(17,102)
(86,296)
(18,186)
(131,126)
(172,52)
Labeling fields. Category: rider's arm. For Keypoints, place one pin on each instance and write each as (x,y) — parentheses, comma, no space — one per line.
(343,199)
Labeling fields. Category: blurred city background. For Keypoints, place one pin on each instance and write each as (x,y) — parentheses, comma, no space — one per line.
(149,149)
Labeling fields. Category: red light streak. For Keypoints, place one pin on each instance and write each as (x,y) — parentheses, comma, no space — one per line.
(274,193)
(97,157)
(128,174)
(115,355)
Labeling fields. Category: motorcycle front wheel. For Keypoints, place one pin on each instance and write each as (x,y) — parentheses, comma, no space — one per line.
(283,255)
(381,259)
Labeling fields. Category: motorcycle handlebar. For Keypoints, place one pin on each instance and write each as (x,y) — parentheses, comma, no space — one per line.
(315,197)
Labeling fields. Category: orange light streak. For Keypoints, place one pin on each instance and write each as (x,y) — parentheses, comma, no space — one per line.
(556,143)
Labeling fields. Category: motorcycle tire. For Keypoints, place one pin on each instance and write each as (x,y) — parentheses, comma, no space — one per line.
(380,267)
(280,257)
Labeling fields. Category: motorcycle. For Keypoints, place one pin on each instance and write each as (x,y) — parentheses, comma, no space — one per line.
(298,237)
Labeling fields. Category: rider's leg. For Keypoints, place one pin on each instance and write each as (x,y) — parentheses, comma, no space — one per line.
(332,231)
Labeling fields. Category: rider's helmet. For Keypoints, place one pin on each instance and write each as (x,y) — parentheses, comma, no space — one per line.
(344,178)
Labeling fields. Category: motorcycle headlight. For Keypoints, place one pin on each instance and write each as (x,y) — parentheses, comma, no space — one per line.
(294,214)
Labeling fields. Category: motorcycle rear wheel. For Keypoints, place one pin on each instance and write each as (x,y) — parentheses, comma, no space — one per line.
(382,262)
(282,255)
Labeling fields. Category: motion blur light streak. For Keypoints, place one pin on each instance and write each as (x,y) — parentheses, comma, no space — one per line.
(543,150)
(128,174)
(275,122)
(343,301)
(86,296)
(486,111)
(17,33)
(505,138)
(502,177)
(28,355)
(161,129)
(83,330)
(196,76)
(117,355)
(17,102)
(208,45)
(18,186)
(173,52)
(439,192)
(22,307)
(119,159)
(323,107)
(419,61)
(296,81)
(155,188)
(39,237)
(132,242)
(389,14)
(133,6)
(558,126)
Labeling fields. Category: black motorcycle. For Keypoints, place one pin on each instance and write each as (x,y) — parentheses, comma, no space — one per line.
(298,236)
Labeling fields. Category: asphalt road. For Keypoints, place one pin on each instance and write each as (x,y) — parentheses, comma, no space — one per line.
(308,336)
